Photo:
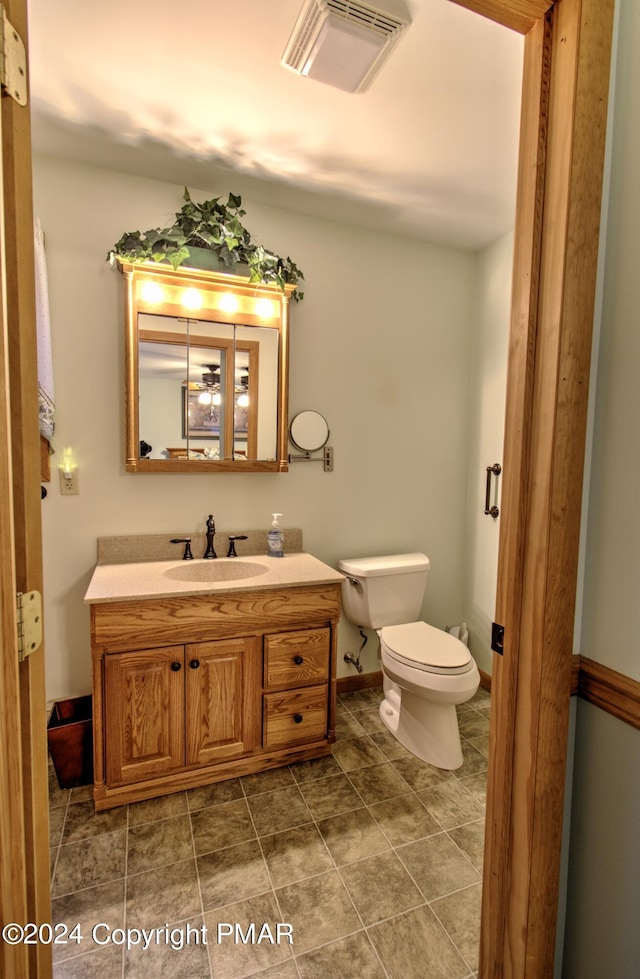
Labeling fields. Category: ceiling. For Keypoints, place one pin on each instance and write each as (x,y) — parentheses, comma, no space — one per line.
(194,93)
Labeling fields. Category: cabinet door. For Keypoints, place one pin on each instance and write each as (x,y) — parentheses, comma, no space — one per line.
(218,690)
(144,713)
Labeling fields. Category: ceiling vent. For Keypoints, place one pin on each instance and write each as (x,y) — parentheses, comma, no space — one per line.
(342,42)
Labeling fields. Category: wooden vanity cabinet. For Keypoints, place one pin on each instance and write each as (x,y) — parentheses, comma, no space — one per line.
(196,689)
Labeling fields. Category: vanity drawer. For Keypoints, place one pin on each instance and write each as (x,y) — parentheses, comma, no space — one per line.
(296,715)
(296,659)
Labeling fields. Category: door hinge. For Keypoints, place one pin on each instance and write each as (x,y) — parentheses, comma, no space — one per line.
(29,622)
(497,638)
(13,60)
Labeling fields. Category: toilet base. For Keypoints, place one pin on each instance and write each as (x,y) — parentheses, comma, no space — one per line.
(429,731)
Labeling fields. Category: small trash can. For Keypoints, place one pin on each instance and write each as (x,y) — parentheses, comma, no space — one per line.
(70,737)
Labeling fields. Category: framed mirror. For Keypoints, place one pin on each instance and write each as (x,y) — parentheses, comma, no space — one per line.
(206,371)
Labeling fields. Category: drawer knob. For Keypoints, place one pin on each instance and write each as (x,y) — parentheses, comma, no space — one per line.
(194,664)
(176,666)
(297,718)
(298,660)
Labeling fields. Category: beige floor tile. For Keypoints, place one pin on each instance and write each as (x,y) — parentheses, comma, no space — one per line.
(357,753)
(319,909)
(164,956)
(307,771)
(214,795)
(86,909)
(330,796)
(415,946)
(378,782)
(165,894)
(164,807)
(470,839)
(275,778)
(90,862)
(380,887)
(231,957)
(233,874)
(82,821)
(295,854)
(437,866)
(352,836)
(273,812)
(351,956)
(157,844)
(225,825)
(451,803)
(404,819)
(105,962)
(460,916)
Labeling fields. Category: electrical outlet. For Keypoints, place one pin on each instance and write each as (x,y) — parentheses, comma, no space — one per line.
(69,483)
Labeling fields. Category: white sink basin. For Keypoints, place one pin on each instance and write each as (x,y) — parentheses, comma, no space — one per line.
(234,569)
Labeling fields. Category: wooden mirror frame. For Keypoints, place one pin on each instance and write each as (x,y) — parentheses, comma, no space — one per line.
(211,286)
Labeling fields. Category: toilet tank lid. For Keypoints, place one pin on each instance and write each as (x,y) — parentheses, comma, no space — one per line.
(367,567)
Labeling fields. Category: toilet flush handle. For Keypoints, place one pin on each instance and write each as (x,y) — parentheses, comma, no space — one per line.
(352,581)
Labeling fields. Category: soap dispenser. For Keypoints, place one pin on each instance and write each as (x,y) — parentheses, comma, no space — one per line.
(275,538)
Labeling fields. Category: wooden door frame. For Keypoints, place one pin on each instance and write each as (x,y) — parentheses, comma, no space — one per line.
(567,57)
(25,704)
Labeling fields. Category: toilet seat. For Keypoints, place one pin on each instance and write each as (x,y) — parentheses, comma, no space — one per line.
(423,647)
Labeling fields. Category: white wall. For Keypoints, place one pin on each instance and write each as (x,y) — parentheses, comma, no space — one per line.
(603,893)
(487,389)
(380,345)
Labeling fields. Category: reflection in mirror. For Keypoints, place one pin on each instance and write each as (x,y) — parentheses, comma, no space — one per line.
(207,379)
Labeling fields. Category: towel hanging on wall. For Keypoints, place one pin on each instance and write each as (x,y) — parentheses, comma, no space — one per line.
(46,407)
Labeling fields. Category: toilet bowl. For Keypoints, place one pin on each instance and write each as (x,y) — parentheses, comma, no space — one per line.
(426,672)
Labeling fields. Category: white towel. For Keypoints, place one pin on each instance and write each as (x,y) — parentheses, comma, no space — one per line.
(46,408)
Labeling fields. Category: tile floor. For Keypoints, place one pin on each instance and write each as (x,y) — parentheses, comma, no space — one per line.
(373,857)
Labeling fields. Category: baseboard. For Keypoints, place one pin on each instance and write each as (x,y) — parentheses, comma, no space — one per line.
(345,684)
(485,679)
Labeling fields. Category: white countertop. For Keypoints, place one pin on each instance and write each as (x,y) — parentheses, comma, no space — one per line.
(147,579)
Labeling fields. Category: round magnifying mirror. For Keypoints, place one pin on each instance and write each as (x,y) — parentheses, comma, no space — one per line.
(309,431)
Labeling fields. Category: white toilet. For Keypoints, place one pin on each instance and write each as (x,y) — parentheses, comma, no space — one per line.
(426,671)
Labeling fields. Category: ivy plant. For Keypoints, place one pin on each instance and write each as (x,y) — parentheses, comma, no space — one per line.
(216,227)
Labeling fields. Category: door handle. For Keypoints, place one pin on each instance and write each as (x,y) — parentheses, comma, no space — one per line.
(494,470)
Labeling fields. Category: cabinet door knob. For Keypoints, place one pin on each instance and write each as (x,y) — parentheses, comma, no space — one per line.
(297,718)
(298,660)
(194,664)
(176,666)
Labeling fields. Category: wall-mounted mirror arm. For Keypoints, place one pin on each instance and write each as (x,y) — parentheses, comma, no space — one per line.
(326,458)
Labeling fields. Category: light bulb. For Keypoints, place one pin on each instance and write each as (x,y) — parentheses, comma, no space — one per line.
(205,398)
(264,309)
(243,401)
(191,299)
(152,292)
(229,302)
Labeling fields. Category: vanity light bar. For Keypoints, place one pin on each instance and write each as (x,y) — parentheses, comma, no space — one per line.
(195,299)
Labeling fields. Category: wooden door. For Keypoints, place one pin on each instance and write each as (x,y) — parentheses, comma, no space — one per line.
(144,713)
(216,694)
(562,135)
(24,835)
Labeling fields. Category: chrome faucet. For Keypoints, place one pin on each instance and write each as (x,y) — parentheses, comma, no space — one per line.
(211,529)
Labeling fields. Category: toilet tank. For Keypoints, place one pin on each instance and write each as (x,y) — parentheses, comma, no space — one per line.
(387,590)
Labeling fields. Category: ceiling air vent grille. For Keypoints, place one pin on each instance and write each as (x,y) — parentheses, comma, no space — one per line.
(342,42)
(360,13)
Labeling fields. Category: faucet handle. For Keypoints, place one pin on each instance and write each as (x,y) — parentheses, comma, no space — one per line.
(232,543)
(187,556)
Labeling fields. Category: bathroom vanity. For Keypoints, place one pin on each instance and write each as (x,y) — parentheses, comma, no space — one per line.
(209,670)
